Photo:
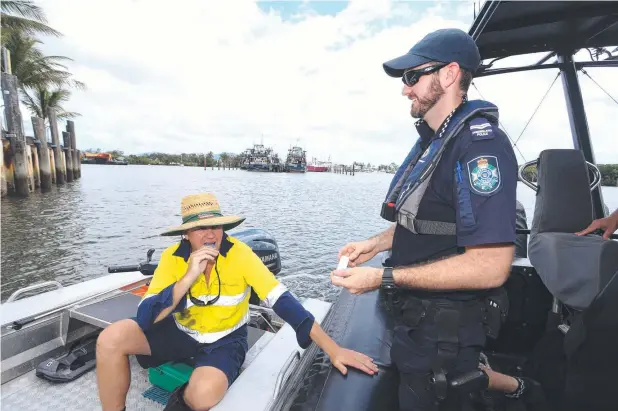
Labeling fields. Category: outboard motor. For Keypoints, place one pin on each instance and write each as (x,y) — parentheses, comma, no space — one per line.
(265,246)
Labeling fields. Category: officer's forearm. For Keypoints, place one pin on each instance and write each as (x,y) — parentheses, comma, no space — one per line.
(478,268)
(384,240)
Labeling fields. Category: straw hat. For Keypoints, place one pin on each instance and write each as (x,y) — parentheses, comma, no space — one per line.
(202,210)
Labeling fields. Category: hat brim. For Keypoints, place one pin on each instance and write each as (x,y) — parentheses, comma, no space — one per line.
(397,66)
(228,222)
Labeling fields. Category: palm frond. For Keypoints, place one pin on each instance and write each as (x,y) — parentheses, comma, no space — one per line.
(32,105)
(67,114)
(14,23)
(24,8)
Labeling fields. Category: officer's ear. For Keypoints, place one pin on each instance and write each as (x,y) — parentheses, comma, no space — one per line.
(450,75)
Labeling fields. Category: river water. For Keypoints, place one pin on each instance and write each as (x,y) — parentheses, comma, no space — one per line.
(114,214)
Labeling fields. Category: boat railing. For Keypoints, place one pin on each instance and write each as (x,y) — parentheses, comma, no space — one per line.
(34,287)
(594,169)
(294,357)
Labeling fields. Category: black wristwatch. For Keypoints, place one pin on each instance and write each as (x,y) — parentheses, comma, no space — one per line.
(388,283)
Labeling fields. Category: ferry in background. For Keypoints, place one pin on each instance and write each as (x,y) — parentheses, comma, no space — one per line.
(319,166)
(296,161)
(261,158)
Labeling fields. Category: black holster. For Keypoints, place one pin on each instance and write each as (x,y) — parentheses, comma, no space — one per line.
(495,311)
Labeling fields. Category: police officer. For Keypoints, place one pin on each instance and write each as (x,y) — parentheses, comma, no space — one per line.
(453,204)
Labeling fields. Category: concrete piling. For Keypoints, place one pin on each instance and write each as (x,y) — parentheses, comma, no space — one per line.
(38,125)
(15,135)
(68,155)
(53,125)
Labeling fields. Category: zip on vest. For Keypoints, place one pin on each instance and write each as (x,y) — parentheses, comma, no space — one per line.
(411,180)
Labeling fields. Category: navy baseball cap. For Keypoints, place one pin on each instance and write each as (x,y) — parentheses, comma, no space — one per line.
(445,45)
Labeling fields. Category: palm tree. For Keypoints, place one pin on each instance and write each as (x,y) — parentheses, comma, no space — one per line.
(41,100)
(33,68)
(23,16)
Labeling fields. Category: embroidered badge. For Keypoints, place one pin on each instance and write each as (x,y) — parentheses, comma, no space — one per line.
(484,174)
(481,129)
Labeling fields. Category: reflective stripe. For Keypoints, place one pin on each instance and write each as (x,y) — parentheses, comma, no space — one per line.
(224,300)
(212,337)
(274,294)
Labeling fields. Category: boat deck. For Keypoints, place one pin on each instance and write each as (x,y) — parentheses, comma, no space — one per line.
(32,393)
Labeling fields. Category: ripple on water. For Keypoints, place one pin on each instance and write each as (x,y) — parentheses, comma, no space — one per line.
(114,214)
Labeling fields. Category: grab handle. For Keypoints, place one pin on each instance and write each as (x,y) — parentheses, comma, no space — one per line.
(594,169)
(45,284)
(283,372)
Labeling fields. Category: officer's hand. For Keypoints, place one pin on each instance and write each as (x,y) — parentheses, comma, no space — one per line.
(358,252)
(342,357)
(609,224)
(358,280)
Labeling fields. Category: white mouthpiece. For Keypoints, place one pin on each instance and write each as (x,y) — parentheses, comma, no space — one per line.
(343,263)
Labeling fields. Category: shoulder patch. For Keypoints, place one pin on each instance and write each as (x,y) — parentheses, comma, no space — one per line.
(484,175)
(481,129)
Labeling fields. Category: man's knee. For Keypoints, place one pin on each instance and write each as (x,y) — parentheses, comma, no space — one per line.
(124,337)
(205,389)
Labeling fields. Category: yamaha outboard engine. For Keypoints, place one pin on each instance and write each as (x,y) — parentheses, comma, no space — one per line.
(265,246)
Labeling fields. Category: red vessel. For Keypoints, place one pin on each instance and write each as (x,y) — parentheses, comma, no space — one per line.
(318,166)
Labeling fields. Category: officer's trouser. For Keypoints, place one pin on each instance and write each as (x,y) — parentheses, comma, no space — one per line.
(415,348)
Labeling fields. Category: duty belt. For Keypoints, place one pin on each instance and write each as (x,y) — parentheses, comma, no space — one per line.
(447,316)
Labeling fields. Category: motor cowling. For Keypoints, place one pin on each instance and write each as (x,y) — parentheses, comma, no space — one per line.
(263,245)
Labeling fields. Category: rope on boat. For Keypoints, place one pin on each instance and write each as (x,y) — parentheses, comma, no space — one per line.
(605,91)
(537,107)
(502,125)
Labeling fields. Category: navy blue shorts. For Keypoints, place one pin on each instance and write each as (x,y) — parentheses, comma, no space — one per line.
(168,343)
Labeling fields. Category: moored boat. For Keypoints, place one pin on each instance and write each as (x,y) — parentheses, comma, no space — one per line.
(296,161)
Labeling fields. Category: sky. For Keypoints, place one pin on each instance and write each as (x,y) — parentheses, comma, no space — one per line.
(197,76)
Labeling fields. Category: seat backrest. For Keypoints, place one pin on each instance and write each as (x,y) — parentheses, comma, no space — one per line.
(563,200)
(574,269)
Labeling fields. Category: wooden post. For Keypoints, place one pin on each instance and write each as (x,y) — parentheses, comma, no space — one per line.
(52,165)
(53,125)
(38,125)
(16,134)
(68,155)
(76,160)
(353,165)
(3,185)
(35,166)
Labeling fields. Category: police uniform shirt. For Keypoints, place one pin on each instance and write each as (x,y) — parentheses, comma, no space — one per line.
(474,185)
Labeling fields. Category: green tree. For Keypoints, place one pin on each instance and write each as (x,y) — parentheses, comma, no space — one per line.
(23,16)
(41,100)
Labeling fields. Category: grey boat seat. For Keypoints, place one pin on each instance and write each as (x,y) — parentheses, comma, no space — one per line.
(573,268)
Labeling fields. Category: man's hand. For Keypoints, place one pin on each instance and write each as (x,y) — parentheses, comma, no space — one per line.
(343,356)
(609,224)
(358,280)
(359,252)
(199,260)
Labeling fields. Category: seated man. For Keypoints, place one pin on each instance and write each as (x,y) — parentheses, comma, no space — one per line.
(193,310)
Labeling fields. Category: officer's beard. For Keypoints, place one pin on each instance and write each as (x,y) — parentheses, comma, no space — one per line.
(422,105)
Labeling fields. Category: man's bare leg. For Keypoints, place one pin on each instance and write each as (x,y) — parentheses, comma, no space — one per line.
(206,388)
(114,346)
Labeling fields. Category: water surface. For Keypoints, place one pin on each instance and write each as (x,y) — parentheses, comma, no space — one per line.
(114,214)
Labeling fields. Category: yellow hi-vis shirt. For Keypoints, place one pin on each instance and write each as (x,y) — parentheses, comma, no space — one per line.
(239,269)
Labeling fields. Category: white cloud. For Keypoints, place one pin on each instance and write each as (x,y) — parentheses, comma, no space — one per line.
(197,76)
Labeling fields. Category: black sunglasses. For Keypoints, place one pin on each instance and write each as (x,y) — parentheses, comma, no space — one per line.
(201,303)
(411,77)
